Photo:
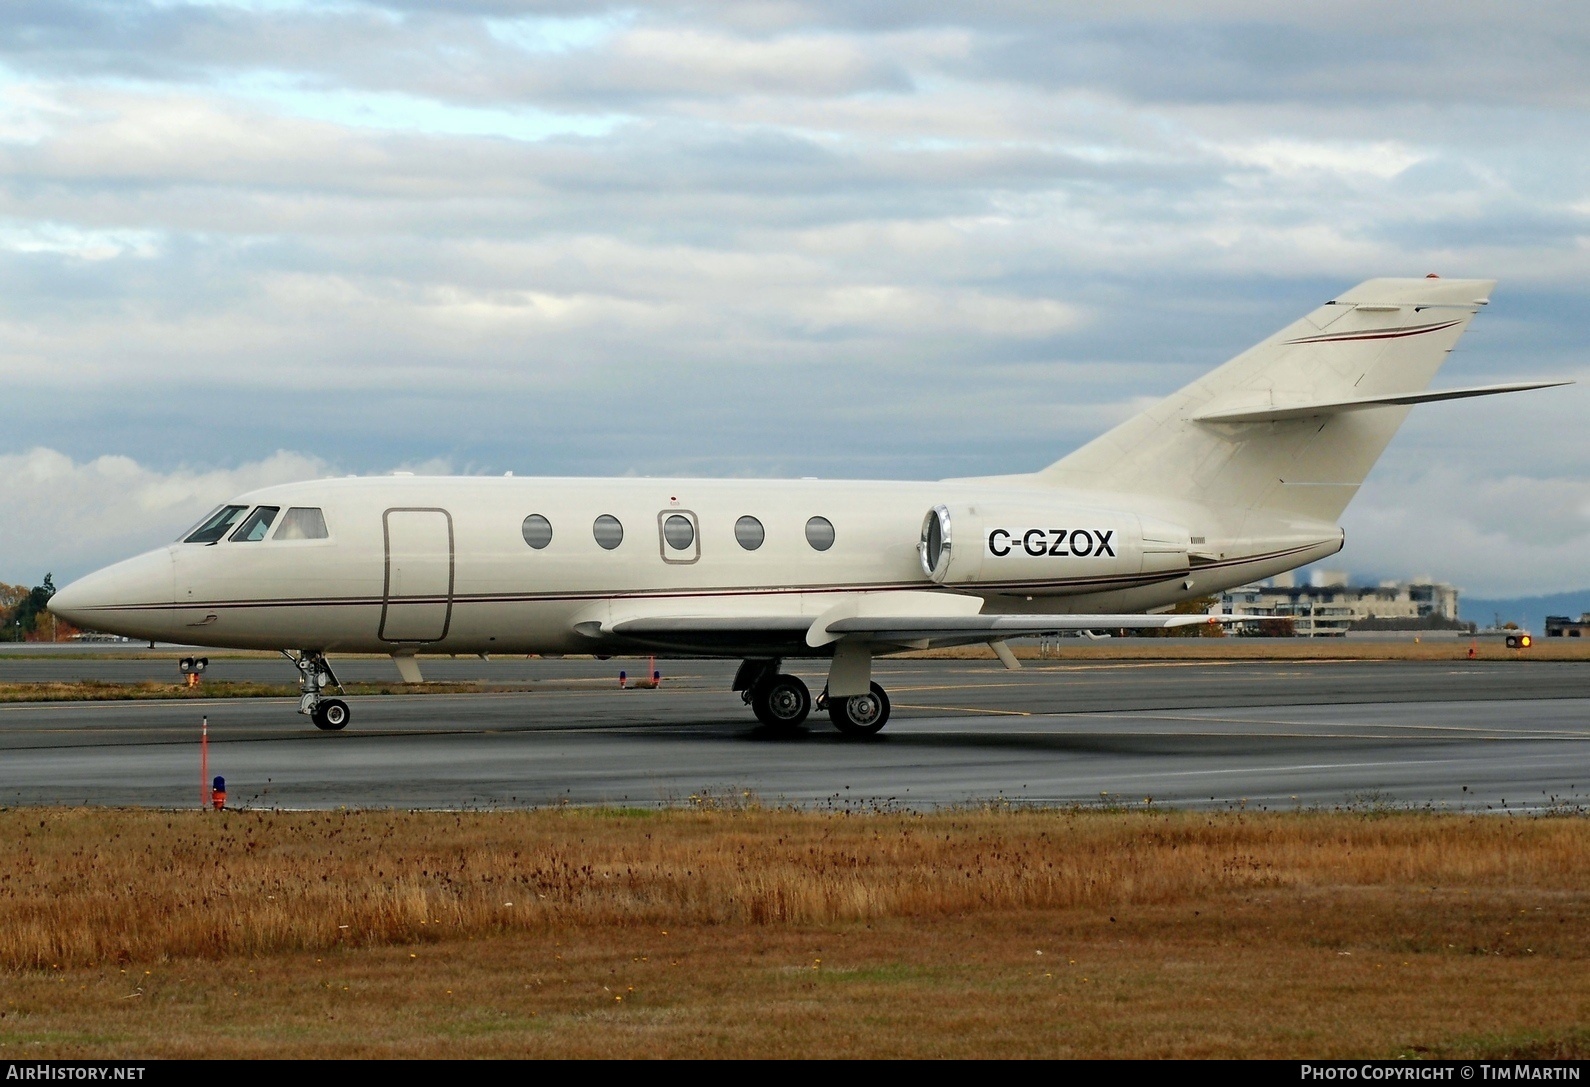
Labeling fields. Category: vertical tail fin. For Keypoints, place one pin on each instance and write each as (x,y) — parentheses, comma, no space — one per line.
(1382,338)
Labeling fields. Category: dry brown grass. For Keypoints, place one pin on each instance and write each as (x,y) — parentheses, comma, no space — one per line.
(771,932)
(86,886)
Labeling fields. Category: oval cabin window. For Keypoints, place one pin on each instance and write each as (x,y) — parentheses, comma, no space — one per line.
(679,532)
(537,531)
(748,533)
(820,533)
(608,532)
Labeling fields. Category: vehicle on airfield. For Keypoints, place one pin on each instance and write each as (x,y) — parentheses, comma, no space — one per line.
(1237,477)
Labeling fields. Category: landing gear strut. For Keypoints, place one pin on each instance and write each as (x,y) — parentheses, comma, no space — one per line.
(314,675)
(781,702)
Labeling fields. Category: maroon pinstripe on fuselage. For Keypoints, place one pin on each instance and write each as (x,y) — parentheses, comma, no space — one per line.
(1380,334)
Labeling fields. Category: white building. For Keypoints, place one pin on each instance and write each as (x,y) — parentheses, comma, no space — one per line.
(1329,603)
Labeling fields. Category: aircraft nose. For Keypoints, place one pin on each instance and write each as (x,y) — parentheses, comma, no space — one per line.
(68,603)
(101,600)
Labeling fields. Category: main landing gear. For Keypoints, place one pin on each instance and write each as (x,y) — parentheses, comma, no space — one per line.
(314,675)
(782,702)
(858,715)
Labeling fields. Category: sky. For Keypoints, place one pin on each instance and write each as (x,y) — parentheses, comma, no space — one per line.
(250,241)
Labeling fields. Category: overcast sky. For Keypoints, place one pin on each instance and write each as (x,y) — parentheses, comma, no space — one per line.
(246,242)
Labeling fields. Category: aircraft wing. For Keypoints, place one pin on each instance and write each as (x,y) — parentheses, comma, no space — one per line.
(963,629)
(887,620)
(701,635)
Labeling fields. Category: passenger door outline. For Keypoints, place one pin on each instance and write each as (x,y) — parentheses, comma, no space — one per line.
(416,612)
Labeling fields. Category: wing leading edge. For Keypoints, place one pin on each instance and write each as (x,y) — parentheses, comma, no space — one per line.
(960,629)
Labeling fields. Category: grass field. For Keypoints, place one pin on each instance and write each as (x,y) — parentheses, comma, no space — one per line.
(750,932)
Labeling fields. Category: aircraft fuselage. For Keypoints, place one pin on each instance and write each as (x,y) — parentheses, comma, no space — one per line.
(446,564)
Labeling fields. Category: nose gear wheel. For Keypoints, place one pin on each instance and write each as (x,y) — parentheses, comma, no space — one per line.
(331,715)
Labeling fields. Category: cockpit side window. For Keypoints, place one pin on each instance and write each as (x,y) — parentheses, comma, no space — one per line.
(255,525)
(302,523)
(213,527)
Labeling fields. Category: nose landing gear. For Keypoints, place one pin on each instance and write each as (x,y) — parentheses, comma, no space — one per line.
(314,675)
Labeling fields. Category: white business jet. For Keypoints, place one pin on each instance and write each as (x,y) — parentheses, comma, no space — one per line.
(1239,476)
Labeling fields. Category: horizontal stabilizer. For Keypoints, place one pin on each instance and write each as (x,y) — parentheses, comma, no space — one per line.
(1279,412)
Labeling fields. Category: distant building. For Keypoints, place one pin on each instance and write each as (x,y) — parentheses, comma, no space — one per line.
(1560,626)
(1330,604)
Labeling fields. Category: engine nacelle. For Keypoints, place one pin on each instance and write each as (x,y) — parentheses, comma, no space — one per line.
(1046,548)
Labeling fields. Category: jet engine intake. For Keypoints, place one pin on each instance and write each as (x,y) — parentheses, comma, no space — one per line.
(936,544)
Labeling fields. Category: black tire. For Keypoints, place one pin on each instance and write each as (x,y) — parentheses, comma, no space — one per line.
(783,703)
(331,715)
(861,714)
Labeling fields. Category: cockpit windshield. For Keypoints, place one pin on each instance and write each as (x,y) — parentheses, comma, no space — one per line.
(255,525)
(213,527)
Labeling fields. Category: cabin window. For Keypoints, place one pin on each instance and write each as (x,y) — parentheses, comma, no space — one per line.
(302,523)
(820,533)
(748,533)
(218,524)
(255,525)
(608,531)
(679,532)
(537,531)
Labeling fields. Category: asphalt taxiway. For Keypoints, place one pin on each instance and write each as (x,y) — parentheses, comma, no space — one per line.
(1274,734)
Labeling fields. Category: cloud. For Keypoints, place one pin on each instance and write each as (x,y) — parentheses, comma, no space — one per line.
(1509,536)
(69,517)
(786,237)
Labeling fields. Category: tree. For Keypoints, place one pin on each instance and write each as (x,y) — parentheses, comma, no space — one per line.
(1196,606)
(10,597)
(25,612)
(1199,605)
